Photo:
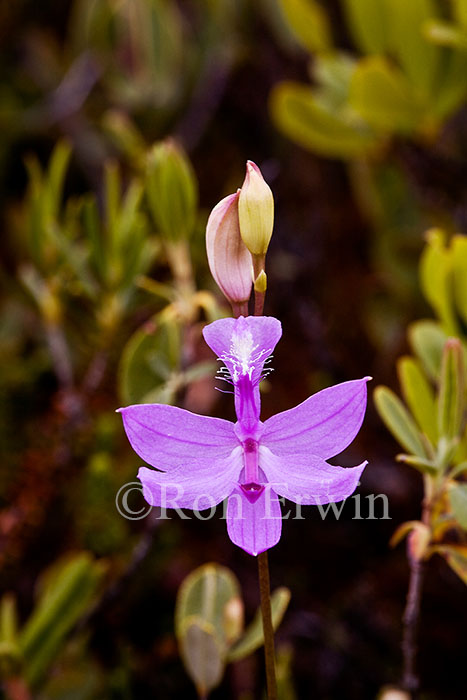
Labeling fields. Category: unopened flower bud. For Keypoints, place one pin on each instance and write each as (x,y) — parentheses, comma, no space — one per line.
(256,211)
(229,260)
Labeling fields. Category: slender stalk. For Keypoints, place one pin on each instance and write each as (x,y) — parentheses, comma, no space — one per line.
(411,617)
(260,295)
(239,308)
(263,564)
(268,630)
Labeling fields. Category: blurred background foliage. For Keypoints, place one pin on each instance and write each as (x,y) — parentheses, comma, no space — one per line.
(123,122)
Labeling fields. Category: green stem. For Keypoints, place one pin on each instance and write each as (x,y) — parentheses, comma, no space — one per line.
(268,630)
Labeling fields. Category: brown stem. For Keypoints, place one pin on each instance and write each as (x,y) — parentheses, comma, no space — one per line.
(259,262)
(411,619)
(239,308)
(268,630)
(259,303)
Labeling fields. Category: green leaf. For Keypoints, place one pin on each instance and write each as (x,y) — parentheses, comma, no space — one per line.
(435,277)
(301,116)
(208,618)
(253,637)
(333,72)
(452,91)
(10,654)
(309,23)
(66,591)
(56,176)
(171,190)
(419,396)
(149,358)
(458,502)
(459,270)
(398,420)
(451,390)
(380,94)
(460,11)
(419,59)
(368,24)
(456,557)
(427,340)
(444,33)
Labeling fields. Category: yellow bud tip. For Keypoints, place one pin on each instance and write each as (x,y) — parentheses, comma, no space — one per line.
(256,211)
(261,282)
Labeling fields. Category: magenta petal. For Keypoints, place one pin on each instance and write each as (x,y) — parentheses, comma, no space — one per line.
(325,424)
(256,526)
(196,486)
(244,343)
(308,479)
(168,437)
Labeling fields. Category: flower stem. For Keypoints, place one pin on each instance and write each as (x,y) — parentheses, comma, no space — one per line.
(410,680)
(260,296)
(411,617)
(268,630)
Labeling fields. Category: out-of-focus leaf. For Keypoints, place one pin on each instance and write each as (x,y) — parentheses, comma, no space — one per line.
(427,340)
(458,502)
(125,135)
(419,59)
(149,358)
(208,618)
(368,24)
(253,636)
(451,390)
(456,557)
(284,675)
(403,530)
(398,420)
(309,23)
(435,277)
(171,189)
(10,654)
(460,11)
(380,94)
(425,466)
(459,269)
(419,396)
(444,33)
(333,72)
(66,591)
(452,91)
(305,120)
(56,176)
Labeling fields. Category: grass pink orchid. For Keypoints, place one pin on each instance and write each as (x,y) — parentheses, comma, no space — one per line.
(202,460)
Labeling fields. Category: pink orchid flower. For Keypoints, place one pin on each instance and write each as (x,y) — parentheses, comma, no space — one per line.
(201,461)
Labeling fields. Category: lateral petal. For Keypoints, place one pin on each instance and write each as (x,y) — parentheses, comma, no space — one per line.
(168,437)
(197,486)
(308,479)
(256,526)
(324,424)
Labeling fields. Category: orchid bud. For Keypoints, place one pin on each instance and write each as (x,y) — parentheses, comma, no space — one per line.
(229,260)
(171,190)
(256,211)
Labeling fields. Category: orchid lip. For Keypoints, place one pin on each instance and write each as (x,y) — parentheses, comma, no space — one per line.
(252,491)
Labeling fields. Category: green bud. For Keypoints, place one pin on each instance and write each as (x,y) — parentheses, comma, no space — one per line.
(256,211)
(172,191)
